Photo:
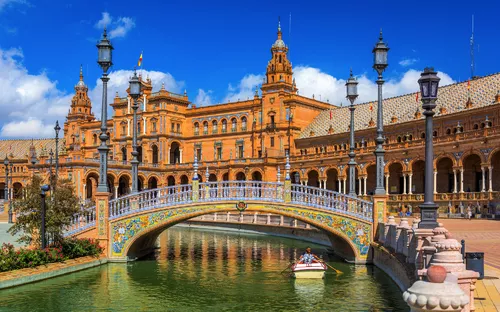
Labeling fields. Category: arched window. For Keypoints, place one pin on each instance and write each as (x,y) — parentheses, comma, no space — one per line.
(224,126)
(280,58)
(422,136)
(399,139)
(94,139)
(243,123)
(448,131)
(205,127)
(196,128)
(124,154)
(435,134)
(214,126)
(476,126)
(233,124)
(410,137)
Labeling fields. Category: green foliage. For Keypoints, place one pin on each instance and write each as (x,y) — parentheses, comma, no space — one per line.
(61,204)
(11,259)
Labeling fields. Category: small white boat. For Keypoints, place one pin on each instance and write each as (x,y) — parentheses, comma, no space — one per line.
(312,270)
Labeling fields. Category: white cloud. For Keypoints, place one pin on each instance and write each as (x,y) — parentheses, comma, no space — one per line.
(117,27)
(203,98)
(6,3)
(408,62)
(31,103)
(27,128)
(313,81)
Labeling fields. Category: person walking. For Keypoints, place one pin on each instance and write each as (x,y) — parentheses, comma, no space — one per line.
(469,212)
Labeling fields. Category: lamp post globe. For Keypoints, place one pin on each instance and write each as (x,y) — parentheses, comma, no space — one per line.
(352,94)
(429,83)
(380,52)
(134,92)
(105,60)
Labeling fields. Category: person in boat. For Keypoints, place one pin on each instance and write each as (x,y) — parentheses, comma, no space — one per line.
(308,257)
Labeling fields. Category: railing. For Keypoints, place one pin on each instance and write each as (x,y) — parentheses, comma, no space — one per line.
(333,201)
(150,199)
(81,221)
(241,190)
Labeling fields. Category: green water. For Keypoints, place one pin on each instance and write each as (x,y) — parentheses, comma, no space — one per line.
(201,270)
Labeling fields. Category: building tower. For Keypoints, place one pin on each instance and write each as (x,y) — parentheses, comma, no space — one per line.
(81,107)
(279,68)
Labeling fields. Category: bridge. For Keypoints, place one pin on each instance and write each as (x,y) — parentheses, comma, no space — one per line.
(128,226)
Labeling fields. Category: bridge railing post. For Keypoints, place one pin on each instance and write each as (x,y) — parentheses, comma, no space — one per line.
(196,190)
(286,194)
(102,215)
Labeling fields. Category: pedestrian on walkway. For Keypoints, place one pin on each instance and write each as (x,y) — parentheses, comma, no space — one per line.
(469,212)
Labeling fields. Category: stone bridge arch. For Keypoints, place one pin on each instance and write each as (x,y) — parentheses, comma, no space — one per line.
(134,235)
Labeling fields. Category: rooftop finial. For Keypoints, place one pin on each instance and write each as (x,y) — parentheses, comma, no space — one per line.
(81,72)
(162,86)
(279,24)
(104,34)
(380,37)
(351,71)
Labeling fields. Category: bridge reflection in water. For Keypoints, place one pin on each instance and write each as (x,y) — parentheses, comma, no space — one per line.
(201,270)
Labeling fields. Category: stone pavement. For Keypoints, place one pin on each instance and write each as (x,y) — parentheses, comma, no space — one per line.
(6,237)
(480,236)
(487,293)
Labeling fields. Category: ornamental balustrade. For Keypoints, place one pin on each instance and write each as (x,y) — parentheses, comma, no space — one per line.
(277,192)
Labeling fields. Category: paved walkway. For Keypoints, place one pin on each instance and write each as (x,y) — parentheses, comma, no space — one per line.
(487,293)
(6,237)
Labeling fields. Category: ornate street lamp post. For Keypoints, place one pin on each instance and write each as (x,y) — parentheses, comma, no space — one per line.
(429,83)
(43,189)
(104,59)
(6,190)
(352,94)
(135,92)
(380,64)
(51,154)
(57,129)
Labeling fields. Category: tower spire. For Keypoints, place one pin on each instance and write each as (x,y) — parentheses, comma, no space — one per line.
(81,72)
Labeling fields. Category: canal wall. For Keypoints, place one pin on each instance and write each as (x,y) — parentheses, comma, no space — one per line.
(311,235)
(42,272)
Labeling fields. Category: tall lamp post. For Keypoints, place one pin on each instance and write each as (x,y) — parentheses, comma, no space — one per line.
(429,83)
(104,59)
(6,190)
(352,94)
(380,63)
(135,92)
(57,129)
(51,154)
(43,189)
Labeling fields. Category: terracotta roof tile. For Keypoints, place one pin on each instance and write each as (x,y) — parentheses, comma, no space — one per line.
(453,97)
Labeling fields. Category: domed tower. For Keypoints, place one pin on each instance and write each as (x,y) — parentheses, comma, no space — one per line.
(81,107)
(279,68)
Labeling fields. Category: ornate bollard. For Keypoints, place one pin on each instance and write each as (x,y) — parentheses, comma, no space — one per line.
(435,294)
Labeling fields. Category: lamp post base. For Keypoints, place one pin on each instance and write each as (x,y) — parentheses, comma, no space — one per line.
(428,216)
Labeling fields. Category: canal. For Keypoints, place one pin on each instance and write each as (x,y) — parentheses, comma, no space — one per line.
(204,270)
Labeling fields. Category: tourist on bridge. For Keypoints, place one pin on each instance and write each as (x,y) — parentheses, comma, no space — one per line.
(308,257)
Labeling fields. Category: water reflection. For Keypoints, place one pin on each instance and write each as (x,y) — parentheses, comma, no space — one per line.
(198,270)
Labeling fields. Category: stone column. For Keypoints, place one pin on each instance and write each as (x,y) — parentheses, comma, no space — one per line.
(128,104)
(360,188)
(404,184)
(84,192)
(455,188)
(483,189)
(344,183)
(410,183)
(168,156)
(461,180)
(116,191)
(324,184)
(128,127)
(364,189)
(490,181)
(340,186)
(180,155)
(435,182)
(386,184)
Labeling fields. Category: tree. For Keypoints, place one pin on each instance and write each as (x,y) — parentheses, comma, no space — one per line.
(61,203)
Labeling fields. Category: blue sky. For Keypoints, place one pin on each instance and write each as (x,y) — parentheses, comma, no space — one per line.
(218,50)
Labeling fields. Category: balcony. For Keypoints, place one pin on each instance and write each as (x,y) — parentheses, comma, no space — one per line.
(271,127)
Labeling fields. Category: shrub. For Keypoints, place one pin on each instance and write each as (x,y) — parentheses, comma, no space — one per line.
(11,259)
